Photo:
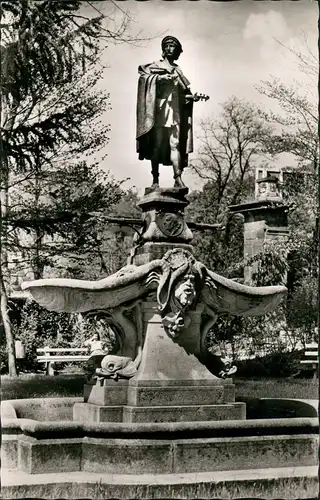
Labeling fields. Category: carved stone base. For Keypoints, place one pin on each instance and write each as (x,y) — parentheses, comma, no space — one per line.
(88,412)
(163,215)
(167,361)
(171,384)
(180,395)
(186,413)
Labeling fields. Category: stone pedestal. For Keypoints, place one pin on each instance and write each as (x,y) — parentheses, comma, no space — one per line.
(171,384)
(164,225)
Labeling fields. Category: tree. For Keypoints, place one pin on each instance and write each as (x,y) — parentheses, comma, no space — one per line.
(229,149)
(221,248)
(39,47)
(48,77)
(296,123)
(53,226)
(125,236)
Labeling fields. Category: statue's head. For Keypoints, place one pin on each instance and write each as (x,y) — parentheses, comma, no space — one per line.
(171,47)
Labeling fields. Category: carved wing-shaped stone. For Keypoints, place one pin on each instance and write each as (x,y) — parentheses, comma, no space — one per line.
(71,295)
(223,295)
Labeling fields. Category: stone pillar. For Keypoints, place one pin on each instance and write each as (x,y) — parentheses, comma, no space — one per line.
(265,219)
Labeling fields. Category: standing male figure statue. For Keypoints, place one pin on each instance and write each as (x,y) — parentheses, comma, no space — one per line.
(164,113)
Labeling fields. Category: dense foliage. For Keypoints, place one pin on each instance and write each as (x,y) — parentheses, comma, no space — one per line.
(51,130)
(292,261)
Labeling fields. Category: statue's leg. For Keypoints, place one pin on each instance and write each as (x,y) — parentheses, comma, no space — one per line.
(155,157)
(155,173)
(176,157)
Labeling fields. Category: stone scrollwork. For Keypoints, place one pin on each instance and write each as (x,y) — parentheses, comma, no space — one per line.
(182,285)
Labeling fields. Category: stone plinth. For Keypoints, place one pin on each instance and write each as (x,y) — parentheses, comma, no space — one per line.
(184,413)
(164,223)
(171,385)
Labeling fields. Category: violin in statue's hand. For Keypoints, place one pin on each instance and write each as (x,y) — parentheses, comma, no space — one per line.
(197,97)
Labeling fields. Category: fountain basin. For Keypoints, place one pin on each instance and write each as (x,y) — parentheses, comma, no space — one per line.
(39,446)
(51,409)
(42,409)
(281,408)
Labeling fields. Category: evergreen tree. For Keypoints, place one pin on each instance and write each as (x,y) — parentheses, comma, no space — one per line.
(50,109)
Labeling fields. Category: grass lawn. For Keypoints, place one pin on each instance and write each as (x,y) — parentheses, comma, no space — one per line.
(35,386)
(277,388)
(301,487)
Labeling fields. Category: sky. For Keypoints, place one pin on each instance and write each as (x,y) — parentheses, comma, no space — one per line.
(228,49)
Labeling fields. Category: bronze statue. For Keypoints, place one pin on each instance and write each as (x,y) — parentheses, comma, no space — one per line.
(164,113)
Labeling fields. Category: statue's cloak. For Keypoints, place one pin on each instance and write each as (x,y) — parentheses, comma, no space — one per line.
(148,88)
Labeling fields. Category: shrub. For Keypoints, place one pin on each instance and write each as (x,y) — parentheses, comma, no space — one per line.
(38,327)
(277,364)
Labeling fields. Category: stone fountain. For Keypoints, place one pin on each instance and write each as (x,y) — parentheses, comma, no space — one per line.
(154,420)
(153,416)
(161,307)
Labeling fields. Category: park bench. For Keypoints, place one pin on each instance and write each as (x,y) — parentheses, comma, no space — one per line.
(63,355)
(311,358)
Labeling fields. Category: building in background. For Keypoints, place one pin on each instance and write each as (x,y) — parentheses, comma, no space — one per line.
(265,218)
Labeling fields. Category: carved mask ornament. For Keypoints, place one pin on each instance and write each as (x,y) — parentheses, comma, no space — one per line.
(179,287)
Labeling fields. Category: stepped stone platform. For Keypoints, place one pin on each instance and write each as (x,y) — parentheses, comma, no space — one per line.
(172,448)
